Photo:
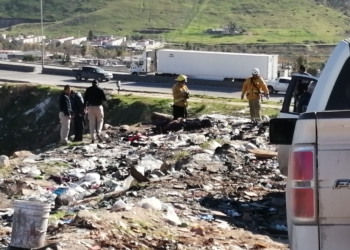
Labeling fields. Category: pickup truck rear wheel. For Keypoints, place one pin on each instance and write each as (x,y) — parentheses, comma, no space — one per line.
(271,89)
(78,77)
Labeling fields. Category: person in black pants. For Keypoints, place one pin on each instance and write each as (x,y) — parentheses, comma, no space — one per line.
(301,87)
(79,113)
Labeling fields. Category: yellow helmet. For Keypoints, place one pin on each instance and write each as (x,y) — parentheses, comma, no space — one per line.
(181,78)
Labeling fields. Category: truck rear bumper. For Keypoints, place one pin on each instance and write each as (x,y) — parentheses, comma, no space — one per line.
(335,237)
(304,238)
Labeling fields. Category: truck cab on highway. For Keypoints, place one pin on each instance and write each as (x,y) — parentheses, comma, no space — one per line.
(318,183)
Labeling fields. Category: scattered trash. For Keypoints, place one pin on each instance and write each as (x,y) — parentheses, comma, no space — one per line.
(151,203)
(172,217)
(209,181)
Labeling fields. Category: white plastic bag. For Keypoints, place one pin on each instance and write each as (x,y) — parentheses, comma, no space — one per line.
(172,217)
(120,205)
(151,203)
(150,163)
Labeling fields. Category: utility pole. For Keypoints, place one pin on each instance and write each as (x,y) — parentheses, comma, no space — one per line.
(42,35)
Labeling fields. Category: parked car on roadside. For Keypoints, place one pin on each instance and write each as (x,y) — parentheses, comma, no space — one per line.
(279,85)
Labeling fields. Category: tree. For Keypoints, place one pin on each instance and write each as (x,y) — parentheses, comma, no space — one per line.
(100,53)
(120,52)
(313,71)
(232,27)
(301,60)
(90,36)
(28,47)
(85,50)
(28,58)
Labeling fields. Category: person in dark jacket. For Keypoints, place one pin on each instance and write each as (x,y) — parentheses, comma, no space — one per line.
(93,98)
(301,87)
(65,114)
(304,99)
(79,112)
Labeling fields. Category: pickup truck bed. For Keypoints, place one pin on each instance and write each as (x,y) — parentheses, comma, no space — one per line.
(318,183)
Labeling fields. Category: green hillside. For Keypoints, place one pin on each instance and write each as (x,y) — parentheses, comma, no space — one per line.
(266,21)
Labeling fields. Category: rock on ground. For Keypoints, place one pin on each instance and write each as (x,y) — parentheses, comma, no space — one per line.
(4,161)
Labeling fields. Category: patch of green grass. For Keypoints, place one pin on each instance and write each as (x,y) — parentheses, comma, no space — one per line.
(61,164)
(57,216)
(266,21)
(53,168)
(199,108)
(179,155)
(143,224)
(206,145)
(77,143)
(222,141)
(5,172)
(226,99)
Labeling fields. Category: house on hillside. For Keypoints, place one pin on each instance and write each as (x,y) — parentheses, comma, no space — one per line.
(75,41)
(118,41)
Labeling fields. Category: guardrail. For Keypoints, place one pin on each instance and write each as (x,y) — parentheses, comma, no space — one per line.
(59,72)
(15,67)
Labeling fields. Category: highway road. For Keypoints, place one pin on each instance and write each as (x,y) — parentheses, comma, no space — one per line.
(130,86)
(120,69)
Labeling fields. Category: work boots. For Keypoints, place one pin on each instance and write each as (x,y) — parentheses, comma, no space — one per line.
(99,138)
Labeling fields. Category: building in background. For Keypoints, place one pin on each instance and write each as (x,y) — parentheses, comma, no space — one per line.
(104,37)
(76,41)
(118,41)
(61,40)
(6,54)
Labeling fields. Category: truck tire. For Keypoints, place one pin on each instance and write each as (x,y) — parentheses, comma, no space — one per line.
(107,79)
(78,77)
(86,79)
(134,74)
(99,79)
(271,89)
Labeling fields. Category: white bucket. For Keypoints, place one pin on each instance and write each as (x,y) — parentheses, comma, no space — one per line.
(29,224)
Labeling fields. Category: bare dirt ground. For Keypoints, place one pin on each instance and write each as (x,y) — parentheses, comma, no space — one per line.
(153,229)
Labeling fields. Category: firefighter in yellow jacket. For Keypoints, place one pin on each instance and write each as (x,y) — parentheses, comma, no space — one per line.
(253,87)
(180,94)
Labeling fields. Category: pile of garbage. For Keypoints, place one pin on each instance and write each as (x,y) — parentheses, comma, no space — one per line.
(202,187)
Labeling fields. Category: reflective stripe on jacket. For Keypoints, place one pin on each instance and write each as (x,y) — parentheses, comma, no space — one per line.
(253,87)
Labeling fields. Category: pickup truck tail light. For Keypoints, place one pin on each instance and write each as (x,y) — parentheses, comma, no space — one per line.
(303,190)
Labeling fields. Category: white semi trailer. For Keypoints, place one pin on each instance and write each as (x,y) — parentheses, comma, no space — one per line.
(206,65)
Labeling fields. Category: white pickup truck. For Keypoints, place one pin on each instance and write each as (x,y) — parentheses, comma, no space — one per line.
(279,85)
(318,184)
